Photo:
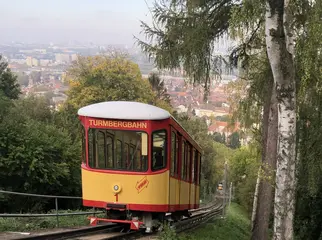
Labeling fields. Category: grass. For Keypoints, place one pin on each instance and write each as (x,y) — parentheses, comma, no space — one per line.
(23,224)
(236,226)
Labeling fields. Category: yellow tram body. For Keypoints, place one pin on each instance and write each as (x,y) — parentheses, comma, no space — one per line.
(138,185)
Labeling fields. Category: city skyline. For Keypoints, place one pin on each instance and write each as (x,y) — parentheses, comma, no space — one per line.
(98,21)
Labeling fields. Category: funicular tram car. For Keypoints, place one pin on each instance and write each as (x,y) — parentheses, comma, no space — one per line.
(138,163)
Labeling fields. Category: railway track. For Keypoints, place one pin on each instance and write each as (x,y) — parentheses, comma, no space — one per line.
(116,232)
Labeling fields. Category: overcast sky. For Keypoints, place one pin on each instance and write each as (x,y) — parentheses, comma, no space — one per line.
(100,21)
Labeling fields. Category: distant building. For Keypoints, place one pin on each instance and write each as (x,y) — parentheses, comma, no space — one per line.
(32,62)
(62,58)
(29,61)
(18,60)
(44,62)
(74,57)
(35,62)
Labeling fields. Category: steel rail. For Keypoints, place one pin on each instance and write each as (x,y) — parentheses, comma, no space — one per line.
(187,223)
(197,219)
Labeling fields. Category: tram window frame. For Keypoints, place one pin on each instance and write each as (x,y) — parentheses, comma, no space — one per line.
(84,145)
(174,155)
(177,157)
(196,169)
(199,168)
(165,150)
(118,154)
(193,165)
(188,162)
(183,158)
(91,147)
(125,153)
(99,159)
(110,150)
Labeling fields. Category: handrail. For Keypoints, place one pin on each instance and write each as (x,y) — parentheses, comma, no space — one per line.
(46,214)
(39,195)
(56,214)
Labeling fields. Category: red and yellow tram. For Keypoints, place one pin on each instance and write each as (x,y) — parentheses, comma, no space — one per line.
(138,163)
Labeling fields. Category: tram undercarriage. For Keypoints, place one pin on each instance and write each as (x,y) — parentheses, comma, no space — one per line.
(150,221)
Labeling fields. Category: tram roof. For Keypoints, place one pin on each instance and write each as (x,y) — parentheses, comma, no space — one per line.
(124,110)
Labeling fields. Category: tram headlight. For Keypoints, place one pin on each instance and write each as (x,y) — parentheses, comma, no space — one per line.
(116,188)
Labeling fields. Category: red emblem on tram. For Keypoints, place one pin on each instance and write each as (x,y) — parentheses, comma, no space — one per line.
(142,184)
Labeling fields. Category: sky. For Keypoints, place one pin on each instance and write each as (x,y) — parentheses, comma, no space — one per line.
(97,21)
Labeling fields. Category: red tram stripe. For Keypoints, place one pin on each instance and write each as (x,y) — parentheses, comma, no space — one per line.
(144,207)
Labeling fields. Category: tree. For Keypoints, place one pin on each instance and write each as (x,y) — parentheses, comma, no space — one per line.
(243,165)
(308,219)
(23,79)
(106,78)
(8,81)
(36,156)
(36,76)
(158,88)
(280,51)
(233,140)
(183,34)
(218,137)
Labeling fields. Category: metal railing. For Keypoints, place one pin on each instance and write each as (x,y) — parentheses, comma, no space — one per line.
(56,214)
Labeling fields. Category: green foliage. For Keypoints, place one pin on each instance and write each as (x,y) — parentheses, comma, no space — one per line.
(218,137)
(35,155)
(104,78)
(308,218)
(168,233)
(243,171)
(183,33)
(158,88)
(22,79)
(8,81)
(233,140)
(236,226)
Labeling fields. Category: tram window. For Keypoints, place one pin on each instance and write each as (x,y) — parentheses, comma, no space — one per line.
(199,168)
(126,159)
(119,154)
(174,149)
(138,164)
(195,173)
(109,151)
(91,145)
(188,163)
(83,145)
(193,166)
(131,155)
(159,145)
(177,158)
(100,161)
(117,150)
(183,161)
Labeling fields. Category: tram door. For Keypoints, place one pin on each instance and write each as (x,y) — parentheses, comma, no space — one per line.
(174,187)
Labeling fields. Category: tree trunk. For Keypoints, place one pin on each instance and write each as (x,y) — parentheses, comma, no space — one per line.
(255,199)
(279,43)
(266,107)
(265,192)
